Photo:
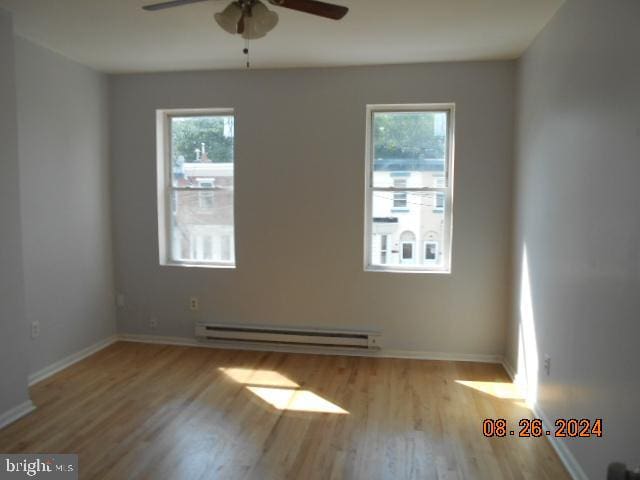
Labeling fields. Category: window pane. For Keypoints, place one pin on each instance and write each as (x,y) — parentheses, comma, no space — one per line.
(400,200)
(199,146)
(202,233)
(409,147)
(409,237)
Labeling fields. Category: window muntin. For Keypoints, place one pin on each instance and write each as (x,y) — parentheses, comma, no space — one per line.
(196,175)
(409,187)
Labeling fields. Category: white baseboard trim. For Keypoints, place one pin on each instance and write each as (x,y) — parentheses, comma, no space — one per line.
(560,446)
(452,357)
(160,340)
(408,354)
(509,369)
(16,413)
(70,360)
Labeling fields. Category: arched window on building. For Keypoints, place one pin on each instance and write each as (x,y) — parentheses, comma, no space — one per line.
(407,247)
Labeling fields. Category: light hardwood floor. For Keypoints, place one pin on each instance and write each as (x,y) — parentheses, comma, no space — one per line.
(166,412)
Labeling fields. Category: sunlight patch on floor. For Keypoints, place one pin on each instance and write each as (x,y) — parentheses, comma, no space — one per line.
(267,378)
(503,390)
(523,404)
(280,391)
(296,400)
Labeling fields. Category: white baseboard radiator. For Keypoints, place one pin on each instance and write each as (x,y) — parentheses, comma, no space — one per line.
(254,334)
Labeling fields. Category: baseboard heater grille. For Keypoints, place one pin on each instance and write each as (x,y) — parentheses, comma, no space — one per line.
(288,336)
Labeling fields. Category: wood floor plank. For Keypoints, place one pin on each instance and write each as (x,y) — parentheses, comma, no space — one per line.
(145,411)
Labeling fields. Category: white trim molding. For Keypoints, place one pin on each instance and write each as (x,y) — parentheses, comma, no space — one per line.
(383,353)
(558,444)
(165,188)
(160,340)
(509,369)
(16,413)
(70,360)
(443,356)
(409,265)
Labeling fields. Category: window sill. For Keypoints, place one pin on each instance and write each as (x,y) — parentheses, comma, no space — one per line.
(199,265)
(395,269)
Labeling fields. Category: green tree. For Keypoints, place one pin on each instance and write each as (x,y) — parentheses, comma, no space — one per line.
(407,135)
(189,133)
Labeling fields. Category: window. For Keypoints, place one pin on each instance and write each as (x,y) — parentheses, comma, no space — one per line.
(431,252)
(408,246)
(207,247)
(383,248)
(438,204)
(205,196)
(407,251)
(399,197)
(196,187)
(409,187)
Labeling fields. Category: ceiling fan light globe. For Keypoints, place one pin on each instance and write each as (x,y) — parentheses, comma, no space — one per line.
(250,30)
(228,19)
(260,22)
(264,18)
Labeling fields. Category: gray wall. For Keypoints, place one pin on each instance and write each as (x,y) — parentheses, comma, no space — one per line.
(13,329)
(64,187)
(578,204)
(299,205)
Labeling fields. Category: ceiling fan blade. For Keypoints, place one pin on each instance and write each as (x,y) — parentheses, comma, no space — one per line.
(173,3)
(314,7)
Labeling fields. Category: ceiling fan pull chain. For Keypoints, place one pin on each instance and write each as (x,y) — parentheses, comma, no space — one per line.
(245,50)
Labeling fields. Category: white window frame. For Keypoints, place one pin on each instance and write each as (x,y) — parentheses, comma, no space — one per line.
(443,266)
(165,184)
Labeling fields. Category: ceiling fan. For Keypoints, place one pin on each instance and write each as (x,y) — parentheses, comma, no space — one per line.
(252,19)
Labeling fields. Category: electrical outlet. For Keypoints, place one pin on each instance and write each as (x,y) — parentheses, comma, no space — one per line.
(547,365)
(35,329)
(194,304)
(153,322)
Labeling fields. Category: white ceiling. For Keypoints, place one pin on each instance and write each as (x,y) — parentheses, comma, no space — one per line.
(118,36)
